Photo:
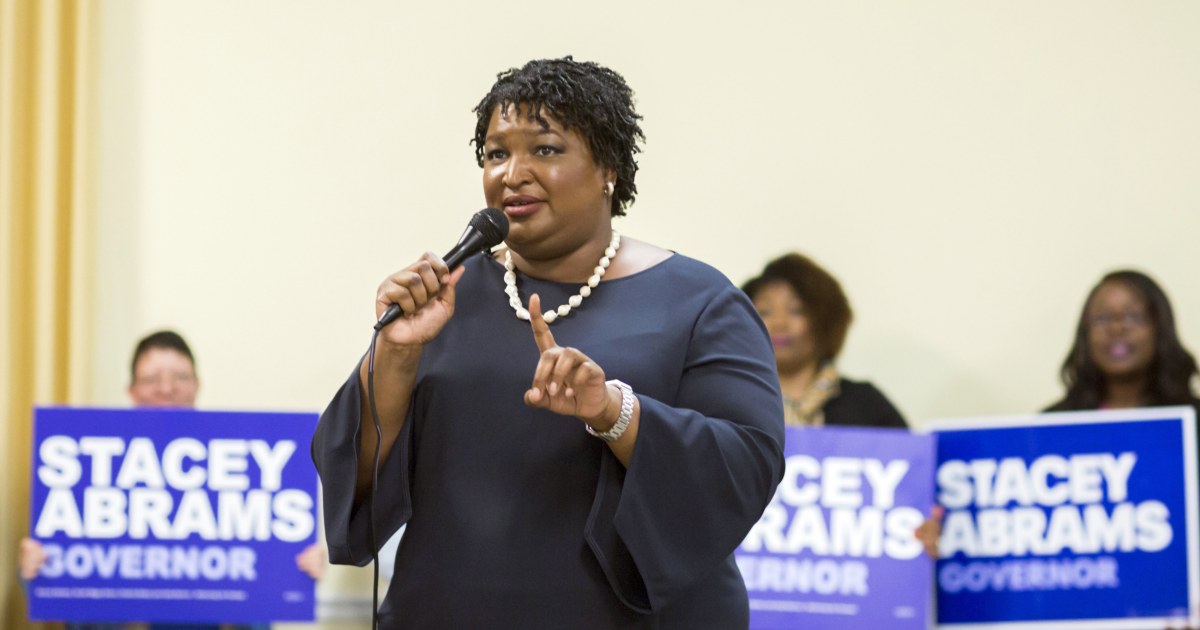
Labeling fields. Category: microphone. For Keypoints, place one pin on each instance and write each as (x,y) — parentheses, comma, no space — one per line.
(486,230)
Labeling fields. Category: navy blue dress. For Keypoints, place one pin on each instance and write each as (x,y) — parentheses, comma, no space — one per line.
(517,517)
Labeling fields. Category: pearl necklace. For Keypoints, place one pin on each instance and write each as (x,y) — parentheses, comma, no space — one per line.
(514,299)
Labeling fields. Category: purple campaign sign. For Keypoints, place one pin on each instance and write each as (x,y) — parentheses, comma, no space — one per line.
(168,515)
(836,547)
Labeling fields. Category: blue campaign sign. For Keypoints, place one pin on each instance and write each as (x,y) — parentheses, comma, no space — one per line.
(171,515)
(1069,520)
(836,547)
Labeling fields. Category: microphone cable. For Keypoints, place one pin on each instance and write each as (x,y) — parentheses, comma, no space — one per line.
(486,229)
(374,478)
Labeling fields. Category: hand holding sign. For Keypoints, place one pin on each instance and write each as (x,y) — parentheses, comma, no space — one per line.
(31,558)
(930,530)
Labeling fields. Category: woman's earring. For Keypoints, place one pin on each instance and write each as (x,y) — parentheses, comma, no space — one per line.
(608,189)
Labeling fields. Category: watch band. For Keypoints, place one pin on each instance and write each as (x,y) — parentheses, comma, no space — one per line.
(618,429)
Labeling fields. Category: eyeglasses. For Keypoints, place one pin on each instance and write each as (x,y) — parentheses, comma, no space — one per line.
(1130,319)
(153,380)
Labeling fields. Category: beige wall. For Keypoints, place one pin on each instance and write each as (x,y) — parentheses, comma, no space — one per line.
(967,169)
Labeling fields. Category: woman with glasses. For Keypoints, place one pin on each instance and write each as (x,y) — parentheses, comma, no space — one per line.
(1126,351)
(1126,354)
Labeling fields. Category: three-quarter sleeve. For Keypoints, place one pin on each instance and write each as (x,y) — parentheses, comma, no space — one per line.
(704,467)
(335,454)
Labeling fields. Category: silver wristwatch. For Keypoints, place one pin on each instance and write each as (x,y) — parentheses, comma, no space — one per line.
(623,419)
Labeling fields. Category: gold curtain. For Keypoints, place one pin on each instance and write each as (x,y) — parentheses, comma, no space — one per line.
(44,225)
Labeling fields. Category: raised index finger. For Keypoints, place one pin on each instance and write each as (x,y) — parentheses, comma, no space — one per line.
(541,330)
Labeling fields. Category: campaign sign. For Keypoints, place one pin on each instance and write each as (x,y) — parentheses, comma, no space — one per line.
(1068,520)
(835,548)
(171,515)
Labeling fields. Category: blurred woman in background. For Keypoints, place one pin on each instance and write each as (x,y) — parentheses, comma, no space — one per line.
(1126,354)
(1126,351)
(807,315)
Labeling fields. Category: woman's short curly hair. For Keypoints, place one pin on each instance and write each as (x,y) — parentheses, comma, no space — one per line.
(825,303)
(580,95)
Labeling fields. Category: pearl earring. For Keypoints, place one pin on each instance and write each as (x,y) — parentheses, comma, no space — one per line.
(608,189)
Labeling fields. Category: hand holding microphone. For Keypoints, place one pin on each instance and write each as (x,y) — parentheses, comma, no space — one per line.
(425,289)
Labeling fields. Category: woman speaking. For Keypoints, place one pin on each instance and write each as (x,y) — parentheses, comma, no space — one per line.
(577,430)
